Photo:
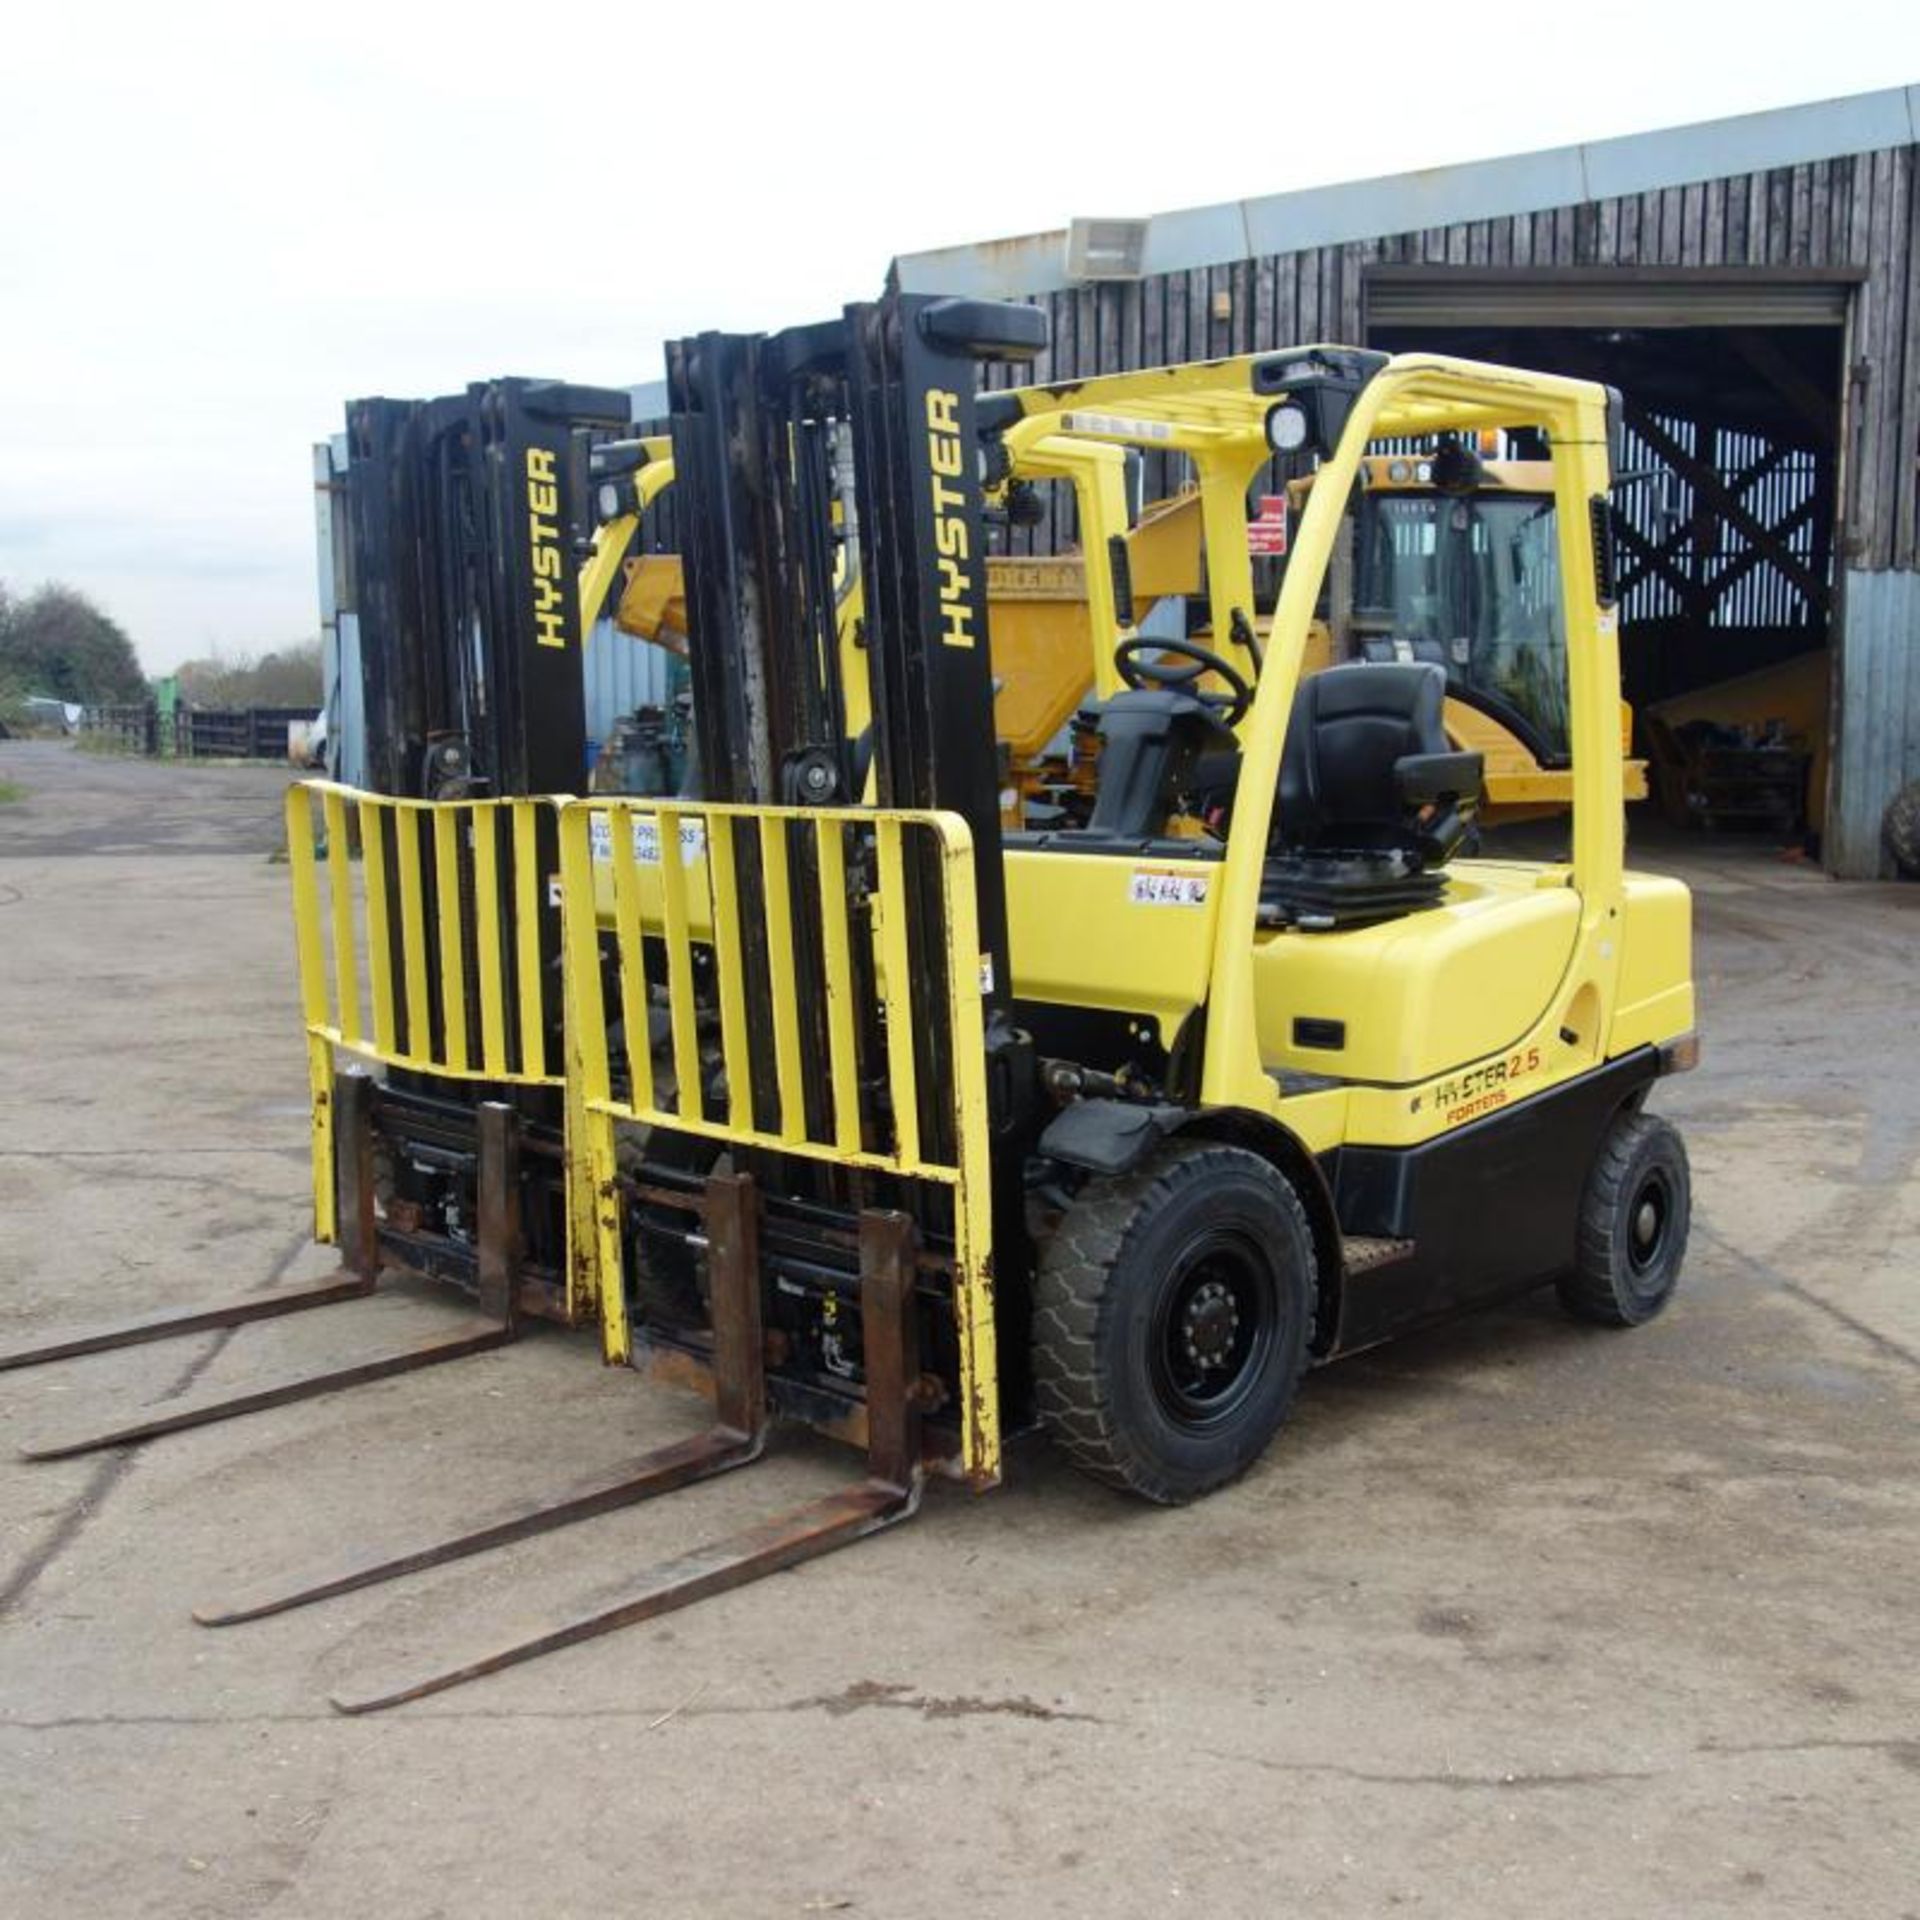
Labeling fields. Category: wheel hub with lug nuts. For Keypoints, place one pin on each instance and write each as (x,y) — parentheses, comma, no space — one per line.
(1210,1324)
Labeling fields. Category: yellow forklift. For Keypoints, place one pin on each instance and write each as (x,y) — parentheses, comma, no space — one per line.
(920,1131)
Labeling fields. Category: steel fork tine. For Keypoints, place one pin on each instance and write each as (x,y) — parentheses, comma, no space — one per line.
(658,1472)
(166,1326)
(478,1337)
(835,1521)
(739,1435)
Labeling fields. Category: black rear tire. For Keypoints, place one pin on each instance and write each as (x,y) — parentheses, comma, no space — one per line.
(1900,831)
(1634,1218)
(1173,1317)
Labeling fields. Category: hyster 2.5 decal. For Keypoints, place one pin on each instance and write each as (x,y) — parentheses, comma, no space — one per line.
(1466,1096)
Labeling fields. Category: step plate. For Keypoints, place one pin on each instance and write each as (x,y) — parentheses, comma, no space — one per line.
(1361,1253)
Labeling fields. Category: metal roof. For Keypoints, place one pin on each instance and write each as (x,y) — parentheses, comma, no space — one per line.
(1442,196)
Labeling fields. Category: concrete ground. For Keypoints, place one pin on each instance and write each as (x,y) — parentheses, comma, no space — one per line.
(1518,1619)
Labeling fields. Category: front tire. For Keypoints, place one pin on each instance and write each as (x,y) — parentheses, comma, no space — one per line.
(1634,1218)
(1173,1316)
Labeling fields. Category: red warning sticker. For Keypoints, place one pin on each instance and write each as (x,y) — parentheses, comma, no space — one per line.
(1267,530)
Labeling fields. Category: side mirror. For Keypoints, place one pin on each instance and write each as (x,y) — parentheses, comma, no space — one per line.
(1457,468)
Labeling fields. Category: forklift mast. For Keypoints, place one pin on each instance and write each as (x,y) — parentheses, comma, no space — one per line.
(803,454)
(468,515)
(764,428)
(911,369)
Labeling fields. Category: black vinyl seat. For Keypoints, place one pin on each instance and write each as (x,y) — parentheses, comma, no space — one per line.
(1373,798)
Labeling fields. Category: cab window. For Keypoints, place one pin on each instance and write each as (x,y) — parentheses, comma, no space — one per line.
(1471,582)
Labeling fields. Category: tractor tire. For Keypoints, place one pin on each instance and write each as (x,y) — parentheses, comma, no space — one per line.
(1900,831)
(1634,1218)
(1173,1317)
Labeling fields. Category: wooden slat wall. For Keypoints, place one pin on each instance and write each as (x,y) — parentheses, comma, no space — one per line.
(1860,212)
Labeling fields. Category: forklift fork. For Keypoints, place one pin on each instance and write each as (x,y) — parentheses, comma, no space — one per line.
(738,1435)
(890,1492)
(498,1238)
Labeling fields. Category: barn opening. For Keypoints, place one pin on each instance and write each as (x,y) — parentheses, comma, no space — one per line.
(1733,388)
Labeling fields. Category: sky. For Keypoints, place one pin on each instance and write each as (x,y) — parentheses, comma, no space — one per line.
(219,222)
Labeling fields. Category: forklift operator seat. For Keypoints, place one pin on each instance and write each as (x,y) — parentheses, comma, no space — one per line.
(1372,797)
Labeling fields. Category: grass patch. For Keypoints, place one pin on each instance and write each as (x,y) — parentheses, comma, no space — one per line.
(11,793)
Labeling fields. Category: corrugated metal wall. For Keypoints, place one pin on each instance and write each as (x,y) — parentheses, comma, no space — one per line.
(342,690)
(621,673)
(1877,727)
(346,702)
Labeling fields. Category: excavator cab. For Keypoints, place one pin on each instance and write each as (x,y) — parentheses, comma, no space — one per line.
(1467,578)
(1456,562)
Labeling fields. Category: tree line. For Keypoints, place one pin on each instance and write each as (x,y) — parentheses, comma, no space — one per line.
(57,643)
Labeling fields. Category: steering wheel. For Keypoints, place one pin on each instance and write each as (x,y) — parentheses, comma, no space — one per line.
(1162,675)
